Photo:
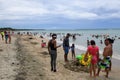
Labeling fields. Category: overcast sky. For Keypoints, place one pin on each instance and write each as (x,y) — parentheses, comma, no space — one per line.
(60,14)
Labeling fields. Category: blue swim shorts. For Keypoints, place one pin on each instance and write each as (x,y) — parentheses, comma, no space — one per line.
(66,50)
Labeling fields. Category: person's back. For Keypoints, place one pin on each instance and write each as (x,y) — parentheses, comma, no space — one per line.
(93,50)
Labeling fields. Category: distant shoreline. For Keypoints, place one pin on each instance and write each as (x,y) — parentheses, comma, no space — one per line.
(13,29)
(63,29)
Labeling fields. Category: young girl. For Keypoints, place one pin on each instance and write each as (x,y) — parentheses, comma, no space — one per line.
(73,51)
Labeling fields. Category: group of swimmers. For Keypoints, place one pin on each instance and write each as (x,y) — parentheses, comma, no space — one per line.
(6,35)
(92,50)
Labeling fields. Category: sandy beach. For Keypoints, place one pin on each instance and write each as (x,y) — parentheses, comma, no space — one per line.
(24,59)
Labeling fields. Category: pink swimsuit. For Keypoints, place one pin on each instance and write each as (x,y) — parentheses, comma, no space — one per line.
(93,51)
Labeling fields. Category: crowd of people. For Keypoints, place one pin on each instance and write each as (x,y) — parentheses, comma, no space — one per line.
(92,50)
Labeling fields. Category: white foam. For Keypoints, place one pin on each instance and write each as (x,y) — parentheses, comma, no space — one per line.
(80,47)
(83,48)
(116,56)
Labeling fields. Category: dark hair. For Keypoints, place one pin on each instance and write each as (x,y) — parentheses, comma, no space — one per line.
(54,35)
(73,45)
(110,40)
(92,42)
(68,34)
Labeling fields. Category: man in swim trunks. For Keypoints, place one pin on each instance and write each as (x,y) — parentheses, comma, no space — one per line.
(107,53)
(66,47)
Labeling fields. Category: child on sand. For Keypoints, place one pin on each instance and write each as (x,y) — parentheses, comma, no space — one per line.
(73,51)
(43,44)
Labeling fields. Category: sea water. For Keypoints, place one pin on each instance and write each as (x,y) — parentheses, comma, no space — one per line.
(81,41)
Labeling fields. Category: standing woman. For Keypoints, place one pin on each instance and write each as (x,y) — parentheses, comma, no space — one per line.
(52,48)
(93,50)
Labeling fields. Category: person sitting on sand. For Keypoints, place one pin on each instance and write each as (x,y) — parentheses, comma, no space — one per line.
(43,44)
(93,50)
(73,51)
(52,48)
(107,53)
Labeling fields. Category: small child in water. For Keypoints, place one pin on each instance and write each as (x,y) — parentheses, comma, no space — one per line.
(73,51)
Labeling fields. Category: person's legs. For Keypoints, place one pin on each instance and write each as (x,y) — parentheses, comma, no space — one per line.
(54,60)
(98,72)
(110,65)
(94,69)
(6,38)
(67,50)
(74,55)
(66,54)
(65,58)
(90,70)
(107,72)
(2,37)
(9,40)
(51,55)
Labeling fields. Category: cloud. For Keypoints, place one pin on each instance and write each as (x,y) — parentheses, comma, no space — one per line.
(48,9)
